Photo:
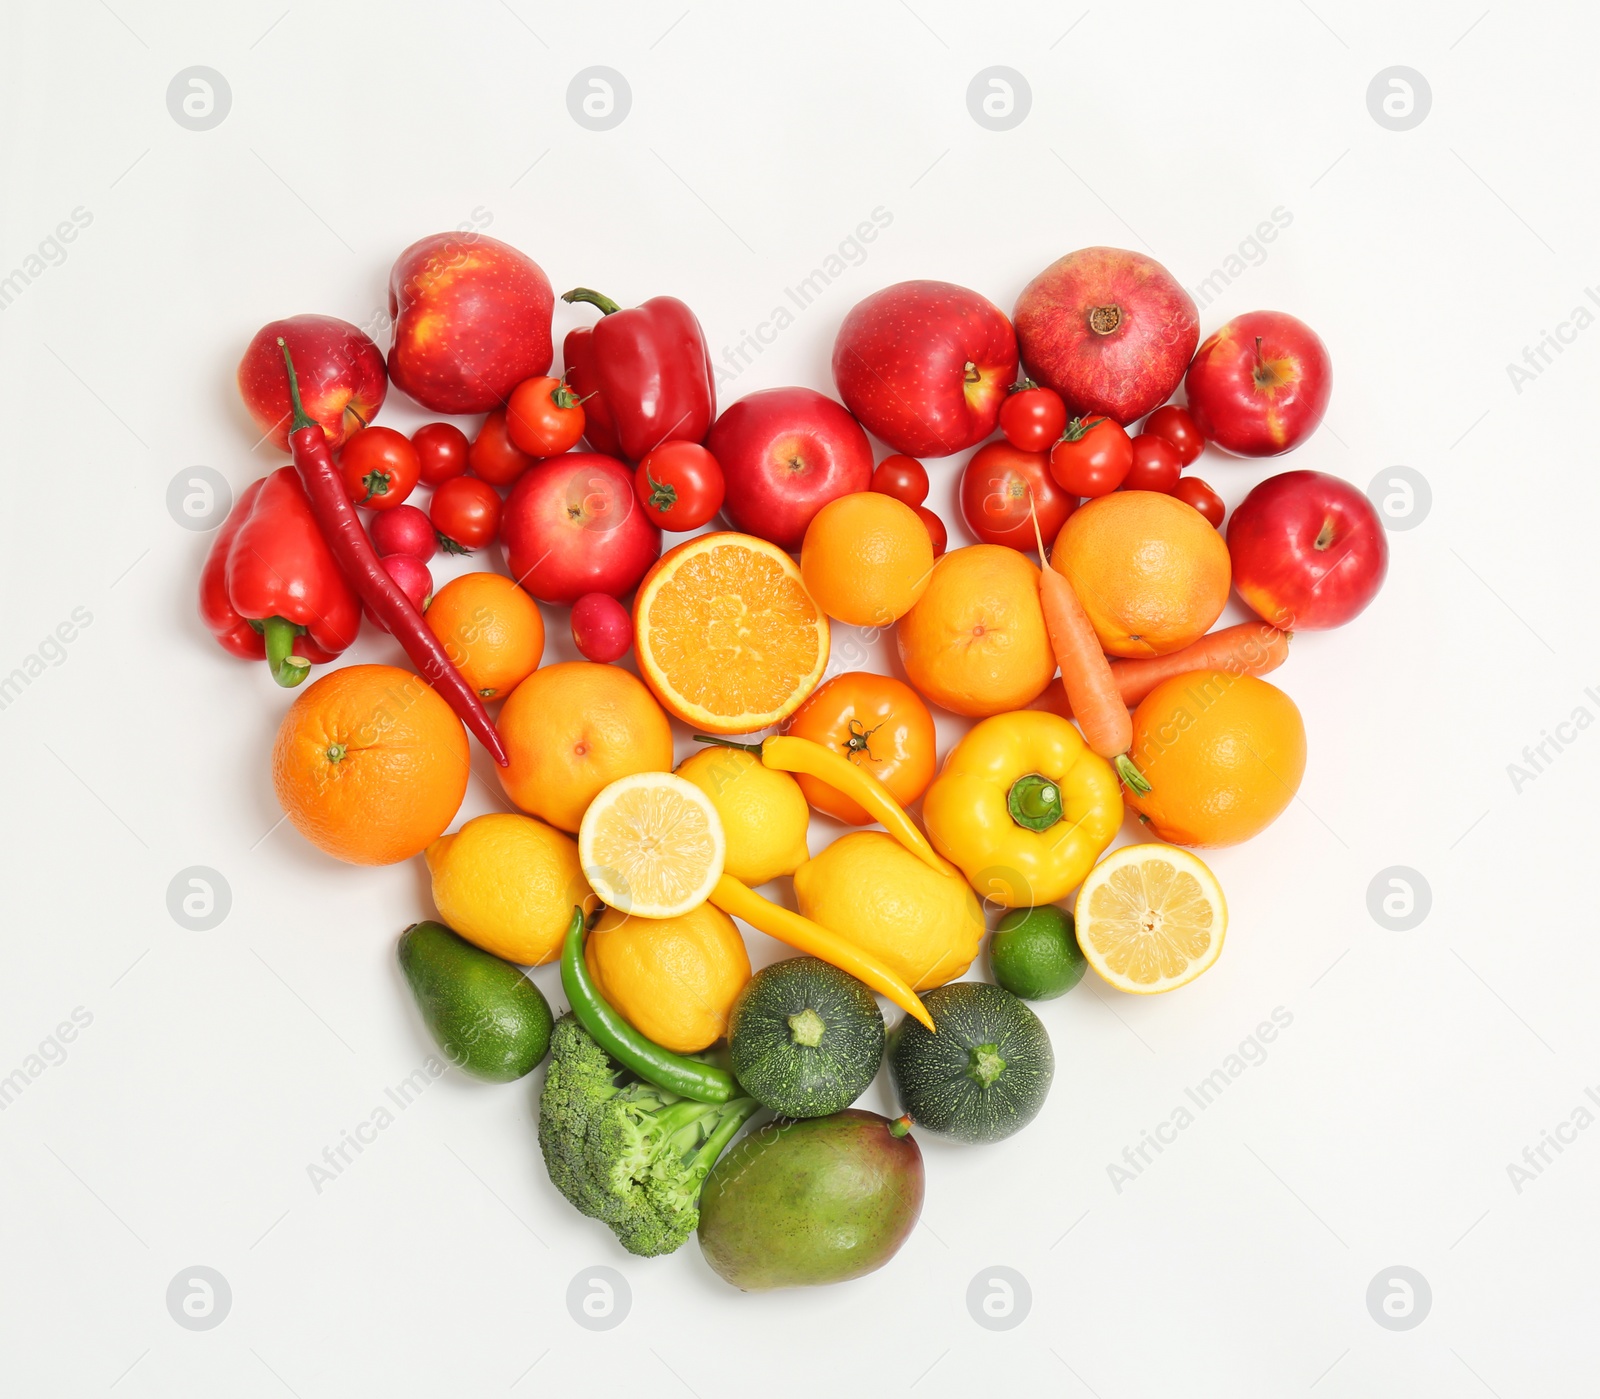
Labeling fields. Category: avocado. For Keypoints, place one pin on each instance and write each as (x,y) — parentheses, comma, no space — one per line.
(487,1017)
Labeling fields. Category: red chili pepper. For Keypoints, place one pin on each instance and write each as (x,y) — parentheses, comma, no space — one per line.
(644,375)
(330,503)
(271,587)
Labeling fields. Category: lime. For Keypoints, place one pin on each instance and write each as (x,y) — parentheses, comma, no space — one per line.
(1034,954)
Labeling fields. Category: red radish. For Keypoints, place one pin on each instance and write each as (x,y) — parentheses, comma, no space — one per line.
(403,530)
(411,576)
(602,630)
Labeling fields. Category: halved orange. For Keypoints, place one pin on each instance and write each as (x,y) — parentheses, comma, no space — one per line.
(726,634)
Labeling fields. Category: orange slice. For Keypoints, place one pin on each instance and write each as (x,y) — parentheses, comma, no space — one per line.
(726,634)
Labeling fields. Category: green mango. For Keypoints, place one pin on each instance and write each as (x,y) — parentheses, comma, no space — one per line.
(818,1200)
(487,1017)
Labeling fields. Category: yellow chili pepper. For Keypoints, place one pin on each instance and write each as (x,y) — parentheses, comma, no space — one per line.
(1024,808)
(734,899)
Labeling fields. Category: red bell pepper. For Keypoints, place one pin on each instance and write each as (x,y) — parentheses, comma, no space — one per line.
(271,587)
(644,375)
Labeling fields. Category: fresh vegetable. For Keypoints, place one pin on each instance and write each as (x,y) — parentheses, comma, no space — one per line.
(348,543)
(380,468)
(764,813)
(625,1151)
(483,1013)
(1173,424)
(442,450)
(805,1038)
(403,530)
(652,845)
(270,586)
(817,1200)
(602,630)
(1151,918)
(938,536)
(343,379)
(1034,954)
(1002,487)
(679,485)
(411,576)
(465,513)
(1092,457)
(982,1073)
(544,418)
(881,725)
(1260,385)
(493,456)
(903,477)
(1156,465)
(1191,490)
(644,375)
(689,1078)
(1032,417)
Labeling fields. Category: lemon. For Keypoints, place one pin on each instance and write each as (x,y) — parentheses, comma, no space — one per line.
(509,884)
(1151,918)
(652,845)
(869,888)
(764,812)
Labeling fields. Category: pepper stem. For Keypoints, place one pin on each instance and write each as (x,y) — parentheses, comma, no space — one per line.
(1130,774)
(301,417)
(1034,802)
(727,743)
(605,303)
(287,668)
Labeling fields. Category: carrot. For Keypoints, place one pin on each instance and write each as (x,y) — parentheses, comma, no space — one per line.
(1085,672)
(1251,648)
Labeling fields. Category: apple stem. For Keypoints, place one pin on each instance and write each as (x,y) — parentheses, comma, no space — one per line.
(972,373)
(605,303)
(1324,536)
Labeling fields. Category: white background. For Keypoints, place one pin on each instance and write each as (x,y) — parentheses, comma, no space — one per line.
(1378,1131)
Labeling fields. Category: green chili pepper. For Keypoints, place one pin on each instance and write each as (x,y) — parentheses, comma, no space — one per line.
(689,1078)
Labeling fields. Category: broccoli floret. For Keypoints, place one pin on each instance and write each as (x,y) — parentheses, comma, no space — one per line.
(624,1151)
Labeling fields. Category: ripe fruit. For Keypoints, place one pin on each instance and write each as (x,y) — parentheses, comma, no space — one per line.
(764,813)
(881,725)
(1151,918)
(866,559)
(1151,574)
(1191,490)
(465,513)
(342,378)
(1224,754)
(1110,331)
(442,449)
(938,536)
(1260,385)
(651,844)
(975,643)
(493,456)
(1173,424)
(903,477)
(1092,458)
(370,765)
(726,634)
(380,468)
(1002,489)
(543,417)
(1034,954)
(572,728)
(491,630)
(1032,417)
(1156,466)
(925,366)
(602,630)
(1309,551)
(679,485)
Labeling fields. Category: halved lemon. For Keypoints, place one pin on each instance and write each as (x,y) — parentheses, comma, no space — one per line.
(652,845)
(1150,918)
(726,634)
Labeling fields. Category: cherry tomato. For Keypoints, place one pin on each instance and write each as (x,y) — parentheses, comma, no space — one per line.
(1092,457)
(1191,490)
(1176,426)
(380,467)
(466,512)
(903,477)
(935,527)
(1032,417)
(679,484)
(1155,465)
(544,417)
(1000,485)
(881,725)
(442,450)
(493,456)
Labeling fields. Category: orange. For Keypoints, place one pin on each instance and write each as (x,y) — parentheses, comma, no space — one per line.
(370,765)
(573,728)
(1224,754)
(866,558)
(491,629)
(1149,569)
(975,642)
(727,635)
(673,979)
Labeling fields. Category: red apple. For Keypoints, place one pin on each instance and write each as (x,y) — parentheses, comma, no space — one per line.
(1260,385)
(471,322)
(785,453)
(573,525)
(1109,330)
(1308,550)
(342,379)
(926,366)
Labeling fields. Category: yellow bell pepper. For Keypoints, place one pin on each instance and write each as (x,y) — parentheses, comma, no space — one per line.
(1023,808)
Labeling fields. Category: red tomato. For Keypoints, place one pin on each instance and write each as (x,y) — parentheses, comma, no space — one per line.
(544,417)
(935,527)
(380,467)
(679,485)
(902,477)
(1191,490)
(1174,424)
(998,487)
(442,450)
(466,512)
(493,456)
(1092,457)
(1032,417)
(1155,465)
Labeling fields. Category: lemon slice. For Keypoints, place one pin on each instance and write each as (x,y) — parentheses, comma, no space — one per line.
(652,845)
(1150,918)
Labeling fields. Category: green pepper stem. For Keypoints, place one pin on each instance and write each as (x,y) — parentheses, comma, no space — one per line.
(1130,774)
(1034,802)
(605,303)
(301,417)
(287,668)
(727,743)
